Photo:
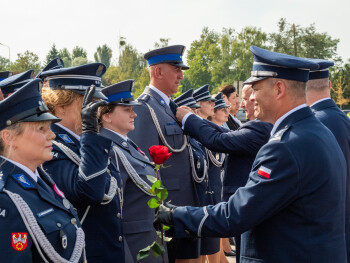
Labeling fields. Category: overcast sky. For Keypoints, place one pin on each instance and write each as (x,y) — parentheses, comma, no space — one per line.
(35,25)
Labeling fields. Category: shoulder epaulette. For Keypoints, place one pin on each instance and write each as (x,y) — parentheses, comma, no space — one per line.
(278,135)
(143,97)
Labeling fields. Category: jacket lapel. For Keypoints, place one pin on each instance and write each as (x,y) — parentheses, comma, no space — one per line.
(160,101)
(65,138)
(29,184)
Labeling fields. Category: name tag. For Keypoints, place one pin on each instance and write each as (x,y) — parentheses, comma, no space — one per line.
(46,212)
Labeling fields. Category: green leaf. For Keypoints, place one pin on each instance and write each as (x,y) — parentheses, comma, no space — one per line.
(165,238)
(161,193)
(156,184)
(157,249)
(165,228)
(153,203)
(143,253)
(151,178)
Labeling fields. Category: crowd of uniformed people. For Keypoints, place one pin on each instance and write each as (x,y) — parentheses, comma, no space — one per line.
(74,163)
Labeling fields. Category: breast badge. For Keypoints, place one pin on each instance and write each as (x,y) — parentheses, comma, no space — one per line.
(19,241)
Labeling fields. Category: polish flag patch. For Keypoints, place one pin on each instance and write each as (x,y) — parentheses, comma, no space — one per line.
(265,172)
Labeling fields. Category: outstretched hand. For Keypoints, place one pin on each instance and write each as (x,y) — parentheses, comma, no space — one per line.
(181,112)
(89,111)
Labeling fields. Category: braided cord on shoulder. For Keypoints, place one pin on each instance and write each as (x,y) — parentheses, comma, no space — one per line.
(39,238)
(161,135)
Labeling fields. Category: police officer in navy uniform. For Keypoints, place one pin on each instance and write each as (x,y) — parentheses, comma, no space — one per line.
(157,125)
(200,166)
(38,224)
(241,145)
(320,102)
(13,83)
(116,120)
(81,165)
(292,208)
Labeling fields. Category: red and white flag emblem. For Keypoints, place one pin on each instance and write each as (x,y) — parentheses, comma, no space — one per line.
(58,191)
(265,172)
(19,241)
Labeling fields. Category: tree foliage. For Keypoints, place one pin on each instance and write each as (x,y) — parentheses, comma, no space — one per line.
(65,55)
(303,42)
(104,55)
(53,53)
(4,64)
(79,52)
(25,61)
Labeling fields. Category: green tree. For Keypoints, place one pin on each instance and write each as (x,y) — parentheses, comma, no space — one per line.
(25,61)
(131,65)
(4,64)
(65,55)
(303,42)
(53,53)
(103,55)
(163,42)
(79,52)
(242,58)
(78,61)
(200,58)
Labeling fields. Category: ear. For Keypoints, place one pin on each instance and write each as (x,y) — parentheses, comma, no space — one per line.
(330,85)
(280,89)
(7,137)
(158,72)
(106,118)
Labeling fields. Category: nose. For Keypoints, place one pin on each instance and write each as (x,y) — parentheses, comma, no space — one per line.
(134,115)
(252,97)
(51,135)
(242,104)
(180,75)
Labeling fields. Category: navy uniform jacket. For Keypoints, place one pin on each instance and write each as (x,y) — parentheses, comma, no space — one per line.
(176,177)
(48,209)
(292,212)
(339,124)
(102,225)
(137,216)
(242,146)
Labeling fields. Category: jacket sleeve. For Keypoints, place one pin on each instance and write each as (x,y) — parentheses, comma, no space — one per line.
(88,182)
(260,199)
(246,140)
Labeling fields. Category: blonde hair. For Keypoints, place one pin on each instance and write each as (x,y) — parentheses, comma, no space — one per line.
(61,97)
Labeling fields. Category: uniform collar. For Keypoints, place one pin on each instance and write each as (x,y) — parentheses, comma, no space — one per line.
(278,122)
(122,136)
(318,101)
(161,94)
(76,136)
(34,175)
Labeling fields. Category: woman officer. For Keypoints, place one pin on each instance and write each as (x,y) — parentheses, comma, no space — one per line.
(117,120)
(37,223)
(80,164)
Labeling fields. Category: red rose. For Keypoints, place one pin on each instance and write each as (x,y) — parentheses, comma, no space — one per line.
(159,153)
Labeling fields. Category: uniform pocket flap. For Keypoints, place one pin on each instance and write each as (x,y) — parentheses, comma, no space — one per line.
(172,184)
(173,129)
(137,226)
